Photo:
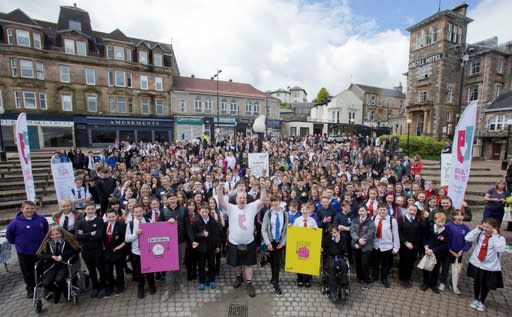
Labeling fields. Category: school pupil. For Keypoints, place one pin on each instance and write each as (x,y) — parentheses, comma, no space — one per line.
(273,231)
(57,248)
(67,217)
(362,232)
(343,221)
(218,215)
(80,194)
(485,262)
(293,212)
(190,252)
(132,234)
(436,243)
(335,249)
(305,221)
(114,249)
(411,229)
(90,234)
(206,242)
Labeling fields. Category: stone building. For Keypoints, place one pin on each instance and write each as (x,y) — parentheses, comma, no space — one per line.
(82,87)
(294,94)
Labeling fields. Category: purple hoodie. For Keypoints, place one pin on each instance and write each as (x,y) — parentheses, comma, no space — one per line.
(27,234)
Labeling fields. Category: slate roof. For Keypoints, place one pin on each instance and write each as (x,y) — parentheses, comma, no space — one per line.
(19,17)
(381,91)
(503,102)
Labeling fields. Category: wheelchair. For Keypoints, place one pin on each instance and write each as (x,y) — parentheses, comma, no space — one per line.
(75,281)
(342,269)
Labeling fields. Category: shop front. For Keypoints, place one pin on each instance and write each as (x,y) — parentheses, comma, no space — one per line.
(273,127)
(44,131)
(190,128)
(93,131)
(224,127)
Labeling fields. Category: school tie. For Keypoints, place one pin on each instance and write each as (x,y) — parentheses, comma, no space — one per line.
(109,233)
(156,215)
(79,196)
(379,228)
(483,249)
(66,223)
(305,223)
(370,208)
(191,218)
(277,236)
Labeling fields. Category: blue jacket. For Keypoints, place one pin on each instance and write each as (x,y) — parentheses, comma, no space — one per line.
(27,234)
(458,232)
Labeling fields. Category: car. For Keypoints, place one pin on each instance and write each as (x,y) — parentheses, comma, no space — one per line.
(337,139)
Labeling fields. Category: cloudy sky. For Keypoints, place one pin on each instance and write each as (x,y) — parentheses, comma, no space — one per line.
(278,43)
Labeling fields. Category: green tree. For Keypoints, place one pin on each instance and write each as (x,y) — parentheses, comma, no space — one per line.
(322,96)
(285,105)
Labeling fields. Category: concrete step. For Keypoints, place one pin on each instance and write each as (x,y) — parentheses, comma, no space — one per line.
(50,199)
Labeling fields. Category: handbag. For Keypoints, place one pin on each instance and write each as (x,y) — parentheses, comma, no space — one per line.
(427,263)
(507,216)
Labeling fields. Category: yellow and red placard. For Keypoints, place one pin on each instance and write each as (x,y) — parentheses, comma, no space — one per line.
(303,250)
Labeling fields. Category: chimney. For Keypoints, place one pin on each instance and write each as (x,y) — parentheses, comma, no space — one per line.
(230,80)
(192,76)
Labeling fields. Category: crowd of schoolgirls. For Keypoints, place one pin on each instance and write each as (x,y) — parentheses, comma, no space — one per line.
(371,202)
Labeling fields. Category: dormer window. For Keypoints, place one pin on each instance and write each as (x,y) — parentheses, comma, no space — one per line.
(143,57)
(10,36)
(157,59)
(80,48)
(36,38)
(75,25)
(23,38)
(119,53)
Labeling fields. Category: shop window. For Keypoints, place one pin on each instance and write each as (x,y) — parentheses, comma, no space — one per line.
(57,137)
(103,136)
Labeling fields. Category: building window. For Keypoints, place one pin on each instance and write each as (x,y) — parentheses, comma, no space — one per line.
(182,105)
(110,78)
(423,72)
(256,108)
(36,38)
(157,59)
(26,69)
(92,104)
(198,107)
(65,77)
(130,105)
(333,116)
(43,104)
(121,104)
(128,53)
(208,105)
(372,100)
(449,93)
(496,122)
(129,80)
(159,106)
(69,46)
(233,107)
(501,65)
(473,93)
(112,103)
(39,71)
(422,97)
(81,48)
(110,52)
(498,89)
(475,67)
(144,106)
(401,109)
(75,25)
(370,115)
(23,38)
(120,79)
(67,102)
(14,68)
(144,82)
(119,53)
(10,36)
(435,34)
(223,106)
(248,108)
(17,101)
(143,57)
(159,84)
(90,76)
(454,33)
(29,100)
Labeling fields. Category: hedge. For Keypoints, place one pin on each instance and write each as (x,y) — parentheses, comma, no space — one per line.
(424,146)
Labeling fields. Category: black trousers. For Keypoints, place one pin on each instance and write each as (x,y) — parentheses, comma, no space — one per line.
(191,261)
(406,263)
(118,281)
(430,278)
(27,263)
(381,263)
(362,260)
(335,265)
(96,266)
(141,281)
(275,261)
(205,258)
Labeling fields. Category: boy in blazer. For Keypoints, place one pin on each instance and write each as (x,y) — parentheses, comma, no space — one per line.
(362,232)
(114,249)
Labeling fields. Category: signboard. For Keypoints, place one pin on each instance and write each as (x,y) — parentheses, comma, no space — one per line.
(303,250)
(22,142)
(425,61)
(462,150)
(258,163)
(159,247)
(446,164)
(63,179)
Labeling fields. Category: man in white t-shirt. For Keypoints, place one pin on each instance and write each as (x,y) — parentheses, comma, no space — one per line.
(241,246)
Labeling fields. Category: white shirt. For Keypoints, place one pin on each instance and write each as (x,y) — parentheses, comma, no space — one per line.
(231,160)
(71,221)
(273,218)
(299,222)
(80,193)
(132,237)
(241,223)
(495,248)
(389,240)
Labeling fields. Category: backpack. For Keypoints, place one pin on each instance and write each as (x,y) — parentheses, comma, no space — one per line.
(130,224)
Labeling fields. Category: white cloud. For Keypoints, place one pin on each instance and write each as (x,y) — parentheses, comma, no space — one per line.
(491,18)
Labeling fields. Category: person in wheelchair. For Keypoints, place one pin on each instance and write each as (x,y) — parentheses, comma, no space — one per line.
(57,248)
(335,250)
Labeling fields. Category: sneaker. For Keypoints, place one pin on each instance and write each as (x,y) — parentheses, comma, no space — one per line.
(250,290)
(474,304)
(101,293)
(201,287)
(94,293)
(456,291)
(166,296)
(152,290)
(238,282)
(119,292)
(272,282)
(300,284)
(30,294)
(435,290)
(213,285)
(364,286)
(307,285)
(480,307)
(277,290)
(385,283)
(108,293)
(140,293)
(424,287)
(441,287)
(49,296)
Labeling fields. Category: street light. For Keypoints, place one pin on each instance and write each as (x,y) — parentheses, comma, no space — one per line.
(3,156)
(259,127)
(504,163)
(409,121)
(464,60)
(218,120)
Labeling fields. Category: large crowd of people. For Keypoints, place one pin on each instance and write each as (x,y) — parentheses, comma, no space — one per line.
(367,196)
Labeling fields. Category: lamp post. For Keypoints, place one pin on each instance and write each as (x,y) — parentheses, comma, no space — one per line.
(3,156)
(259,127)
(218,120)
(504,163)
(409,121)
(464,60)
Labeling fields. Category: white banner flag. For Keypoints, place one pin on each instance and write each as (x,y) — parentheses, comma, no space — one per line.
(23,145)
(258,163)
(462,153)
(63,179)
(446,165)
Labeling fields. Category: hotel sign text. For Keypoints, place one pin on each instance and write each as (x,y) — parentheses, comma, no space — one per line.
(425,61)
